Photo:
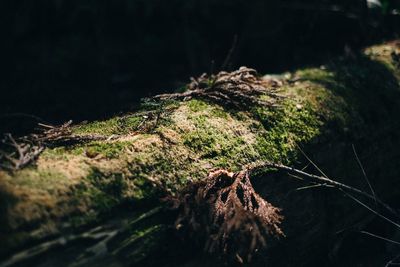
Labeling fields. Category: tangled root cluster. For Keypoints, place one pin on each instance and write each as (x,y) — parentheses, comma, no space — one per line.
(17,153)
(227,216)
(239,89)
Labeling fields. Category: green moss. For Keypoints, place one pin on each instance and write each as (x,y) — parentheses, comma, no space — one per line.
(101,191)
(130,123)
(207,109)
(102,202)
(143,189)
(40,179)
(242,115)
(108,149)
(316,74)
(196,105)
(149,104)
(285,128)
(219,112)
(166,165)
(358,93)
(223,148)
(118,126)
(56,153)
(127,123)
(293,123)
(111,149)
(113,184)
(107,127)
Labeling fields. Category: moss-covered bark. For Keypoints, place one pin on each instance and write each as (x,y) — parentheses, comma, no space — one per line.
(166,144)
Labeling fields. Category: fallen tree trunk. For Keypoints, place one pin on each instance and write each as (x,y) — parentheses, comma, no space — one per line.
(94,199)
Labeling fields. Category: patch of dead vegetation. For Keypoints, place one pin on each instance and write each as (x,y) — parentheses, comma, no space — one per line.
(226,216)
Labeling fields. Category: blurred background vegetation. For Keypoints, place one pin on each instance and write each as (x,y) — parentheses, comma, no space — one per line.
(87,59)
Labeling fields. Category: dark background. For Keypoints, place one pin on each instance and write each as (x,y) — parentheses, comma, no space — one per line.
(87,59)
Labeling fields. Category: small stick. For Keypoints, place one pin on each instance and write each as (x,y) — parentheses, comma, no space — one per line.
(363,171)
(230,53)
(328,181)
(380,237)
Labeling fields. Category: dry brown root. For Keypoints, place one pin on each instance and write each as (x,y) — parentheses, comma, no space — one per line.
(227,216)
(21,153)
(17,153)
(62,135)
(239,88)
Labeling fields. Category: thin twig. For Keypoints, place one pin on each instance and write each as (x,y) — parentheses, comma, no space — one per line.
(312,162)
(328,181)
(391,262)
(305,167)
(313,186)
(371,209)
(296,177)
(46,126)
(363,171)
(230,53)
(380,237)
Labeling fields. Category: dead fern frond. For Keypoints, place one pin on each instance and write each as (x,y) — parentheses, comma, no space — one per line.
(239,88)
(226,214)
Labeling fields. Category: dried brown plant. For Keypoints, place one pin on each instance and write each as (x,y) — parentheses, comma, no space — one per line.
(17,153)
(239,88)
(227,216)
(20,154)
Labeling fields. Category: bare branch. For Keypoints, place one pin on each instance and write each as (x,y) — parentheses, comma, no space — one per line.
(325,180)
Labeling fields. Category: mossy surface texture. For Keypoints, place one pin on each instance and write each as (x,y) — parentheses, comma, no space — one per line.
(167,145)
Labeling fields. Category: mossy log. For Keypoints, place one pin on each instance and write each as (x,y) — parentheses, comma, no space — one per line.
(97,203)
